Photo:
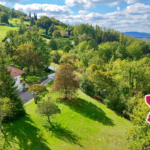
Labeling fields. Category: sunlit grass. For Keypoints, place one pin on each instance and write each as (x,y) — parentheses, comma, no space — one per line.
(85,125)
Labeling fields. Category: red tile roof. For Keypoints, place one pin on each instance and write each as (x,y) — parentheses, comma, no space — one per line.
(14,71)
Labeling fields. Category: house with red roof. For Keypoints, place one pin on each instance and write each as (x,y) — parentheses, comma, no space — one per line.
(16,74)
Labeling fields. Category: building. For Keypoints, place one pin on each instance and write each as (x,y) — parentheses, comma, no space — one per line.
(27,17)
(16,74)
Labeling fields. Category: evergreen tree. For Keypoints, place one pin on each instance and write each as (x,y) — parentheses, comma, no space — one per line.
(12,13)
(35,16)
(30,14)
(8,89)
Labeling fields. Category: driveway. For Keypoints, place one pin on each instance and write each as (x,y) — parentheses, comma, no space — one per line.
(26,96)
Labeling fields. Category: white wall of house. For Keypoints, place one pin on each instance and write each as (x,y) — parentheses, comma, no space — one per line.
(18,84)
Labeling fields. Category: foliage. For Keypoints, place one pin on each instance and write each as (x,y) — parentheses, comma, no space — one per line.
(37,90)
(5,110)
(22,29)
(3,17)
(140,134)
(134,51)
(25,56)
(66,48)
(56,34)
(61,43)
(9,90)
(66,82)
(32,79)
(11,12)
(48,108)
(84,29)
(66,58)
(53,44)
(87,85)
(55,56)
(32,21)
(22,19)
(50,30)
(44,22)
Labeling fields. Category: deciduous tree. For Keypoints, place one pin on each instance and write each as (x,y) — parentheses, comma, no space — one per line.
(3,17)
(48,108)
(56,34)
(37,90)
(66,82)
(140,134)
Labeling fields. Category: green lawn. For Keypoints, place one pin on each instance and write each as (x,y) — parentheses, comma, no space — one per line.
(13,21)
(89,127)
(3,31)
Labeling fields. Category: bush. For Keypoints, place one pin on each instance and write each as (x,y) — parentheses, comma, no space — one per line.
(32,79)
(87,86)
(46,36)
(66,48)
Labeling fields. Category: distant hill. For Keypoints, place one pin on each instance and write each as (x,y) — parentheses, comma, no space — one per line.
(139,35)
(11,12)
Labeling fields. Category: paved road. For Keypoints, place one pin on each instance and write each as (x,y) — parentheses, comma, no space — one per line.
(26,96)
(52,68)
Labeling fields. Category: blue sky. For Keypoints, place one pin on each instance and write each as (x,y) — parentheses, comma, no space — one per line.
(122,15)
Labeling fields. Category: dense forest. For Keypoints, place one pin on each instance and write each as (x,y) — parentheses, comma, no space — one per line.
(113,68)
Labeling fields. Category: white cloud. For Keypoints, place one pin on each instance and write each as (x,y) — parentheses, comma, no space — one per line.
(43,8)
(118,8)
(133,18)
(2,3)
(83,11)
(90,3)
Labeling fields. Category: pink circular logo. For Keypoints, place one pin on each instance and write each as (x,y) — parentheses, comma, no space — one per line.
(147,101)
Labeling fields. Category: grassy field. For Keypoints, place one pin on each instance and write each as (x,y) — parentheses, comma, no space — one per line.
(3,31)
(91,126)
(13,21)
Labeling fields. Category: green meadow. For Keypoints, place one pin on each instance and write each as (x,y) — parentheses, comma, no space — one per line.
(84,125)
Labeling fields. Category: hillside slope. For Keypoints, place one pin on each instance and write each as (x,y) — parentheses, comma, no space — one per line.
(91,126)
(7,10)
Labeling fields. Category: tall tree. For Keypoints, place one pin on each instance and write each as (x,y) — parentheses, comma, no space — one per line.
(66,82)
(8,89)
(44,22)
(25,56)
(32,21)
(53,44)
(30,14)
(3,17)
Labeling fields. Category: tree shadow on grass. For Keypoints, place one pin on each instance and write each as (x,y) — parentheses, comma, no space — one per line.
(24,133)
(64,134)
(91,111)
